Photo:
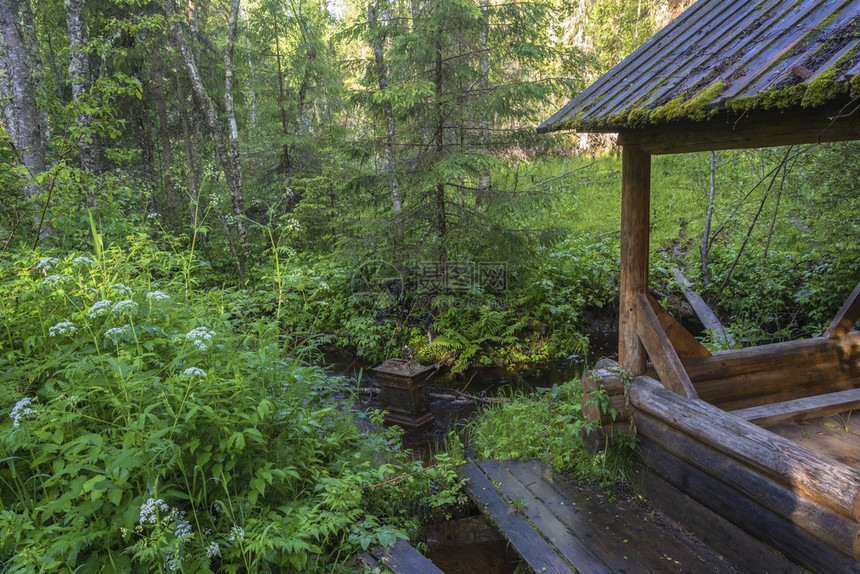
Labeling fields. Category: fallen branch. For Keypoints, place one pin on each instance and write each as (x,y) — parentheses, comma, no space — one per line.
(453,396)
(397,479)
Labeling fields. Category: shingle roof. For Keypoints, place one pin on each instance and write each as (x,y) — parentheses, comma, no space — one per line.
(727,54)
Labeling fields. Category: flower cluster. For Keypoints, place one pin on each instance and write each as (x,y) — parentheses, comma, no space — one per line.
(183,527)
(149,508)
(157,296)
(46,263)
(119,288)
(236,534)
(20,410)
(173,562)
(194,372)
(122,306)
(99,308)
(212,550)
(114,333)
(51,279)
(200,338)
(82,259)
(64,328)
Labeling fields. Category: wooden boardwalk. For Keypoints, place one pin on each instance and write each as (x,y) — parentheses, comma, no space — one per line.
(558,527)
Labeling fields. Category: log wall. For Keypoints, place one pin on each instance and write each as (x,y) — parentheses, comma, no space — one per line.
(804,504)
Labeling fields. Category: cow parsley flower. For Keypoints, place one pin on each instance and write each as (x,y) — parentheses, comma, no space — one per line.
(194,372)
(99,308)
(149,509)
(51,279)
(236,534)
(182,529)
(120,288)
(20,410)
(212,550)
(173,562)
(123,306)
(200,337)
(157,296)
(46,263)
(83,259)
(64,328)
(114,333)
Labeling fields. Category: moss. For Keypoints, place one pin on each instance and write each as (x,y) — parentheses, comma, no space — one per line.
(822,89)
(781,99)
(668,111)
(693,108)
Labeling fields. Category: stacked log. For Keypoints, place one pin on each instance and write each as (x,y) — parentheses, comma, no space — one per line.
(801,502)
(604,399)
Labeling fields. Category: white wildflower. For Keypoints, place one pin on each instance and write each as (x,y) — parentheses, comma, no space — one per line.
(324,286)
(148,510)
(46,263)
(99,308)
(119,288)
(64,328)
(200,338)
(194,372)
(212,550)
(157,296)
(183,528)
(236,534)
(173,562)
(153,215)
(20,410)
(123,306)
(114,333)
(82,259)
(51,279)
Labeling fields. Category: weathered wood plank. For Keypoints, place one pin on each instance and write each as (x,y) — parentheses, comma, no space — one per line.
(625,545)
(707,317)
(836,530)
(575,550)
(743,550)
(535,551)
(789,539)
(847,316)
(635,216)
(801,409)
(833,442)
(663,356)
(816,476)
(401,558)
(684,343)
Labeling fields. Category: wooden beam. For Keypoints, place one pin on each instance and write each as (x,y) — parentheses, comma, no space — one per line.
(847,316)
(801,409)
(663,356)
(747,129)
(635,218)
(809,473)
(685,344)
(708,318)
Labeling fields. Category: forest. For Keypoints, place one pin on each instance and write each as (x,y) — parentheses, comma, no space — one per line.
(200,199)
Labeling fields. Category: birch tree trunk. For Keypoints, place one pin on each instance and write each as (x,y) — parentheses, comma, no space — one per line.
(21,116)
(228,91)
(79,72)
(483,87)
(231,171)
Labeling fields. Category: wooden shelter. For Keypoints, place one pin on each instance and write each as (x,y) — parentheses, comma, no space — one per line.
(722,428)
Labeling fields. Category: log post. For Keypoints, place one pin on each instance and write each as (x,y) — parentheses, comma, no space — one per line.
(847,316)
(635,218)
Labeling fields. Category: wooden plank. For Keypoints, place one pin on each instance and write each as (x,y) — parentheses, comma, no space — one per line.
(747,129)
(401,558)
(847,316)
(746,552)
(663,356)
(818,477)
(626,545)
(684,343)
(833,442)
(535,551)
(838,531)
(708,318)
(746,513)
(635,217)
(573,549)
(801,409)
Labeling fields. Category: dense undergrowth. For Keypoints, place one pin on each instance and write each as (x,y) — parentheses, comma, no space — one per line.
(150,427)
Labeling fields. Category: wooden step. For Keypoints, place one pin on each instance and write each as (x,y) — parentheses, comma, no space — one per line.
(400,558)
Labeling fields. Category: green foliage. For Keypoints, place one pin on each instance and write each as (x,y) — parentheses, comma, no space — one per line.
(150,427)
(549,426)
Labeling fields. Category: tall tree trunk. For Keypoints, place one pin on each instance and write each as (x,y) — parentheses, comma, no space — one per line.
(231,172)
(287,168)
(706,238)
(21,116)
(228,90)
(166,149)
(79,72)
(441,217)
(483,87)
(37,74)
(389,161)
